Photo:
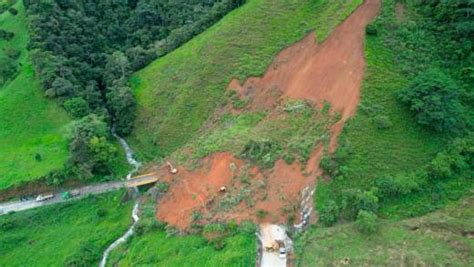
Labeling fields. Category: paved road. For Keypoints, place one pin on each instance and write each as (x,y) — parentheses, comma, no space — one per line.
(84,191)
(268,234)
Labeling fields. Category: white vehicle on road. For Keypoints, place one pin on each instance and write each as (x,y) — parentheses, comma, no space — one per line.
(283,253)
(44,197)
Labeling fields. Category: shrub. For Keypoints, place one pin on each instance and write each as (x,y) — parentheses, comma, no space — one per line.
(392,186)
(349,199)
(264,153)
(6,35)
(366,222)
(382,122)
(434,98)
(196,216)
(87,255)
(13,11)
(328,165)
(456,159)
(329,213)
(11,52)
(247,227)
(215,234)
(371,29)
(261,214)
(77,106)
(101,213)
(8,69)
(367,201)
(162,187)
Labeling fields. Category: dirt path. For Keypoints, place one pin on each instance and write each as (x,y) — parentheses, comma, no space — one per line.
(331,72)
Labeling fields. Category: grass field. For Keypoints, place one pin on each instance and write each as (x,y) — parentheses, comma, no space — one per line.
(59,234)
(153,245)
(178,93)
(400,149)
(442,238)
(156,249)
(30,123)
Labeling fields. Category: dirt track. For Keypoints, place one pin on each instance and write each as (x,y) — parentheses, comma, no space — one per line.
(332,72)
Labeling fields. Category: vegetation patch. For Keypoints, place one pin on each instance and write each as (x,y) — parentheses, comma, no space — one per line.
(290,132)
(440,238)
(413,115)
(74,233)
(161,245)
(32,129)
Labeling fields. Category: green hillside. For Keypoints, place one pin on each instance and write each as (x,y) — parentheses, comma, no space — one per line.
(31,125)
(385,145)
(177,93)
(159,249)
(442,238)
(68,234)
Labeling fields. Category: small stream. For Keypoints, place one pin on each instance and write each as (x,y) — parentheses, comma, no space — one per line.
(133,162)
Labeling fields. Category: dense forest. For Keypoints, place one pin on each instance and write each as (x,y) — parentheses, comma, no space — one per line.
(84,52)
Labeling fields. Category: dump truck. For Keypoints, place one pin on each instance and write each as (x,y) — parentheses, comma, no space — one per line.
(70,194)
(44,197)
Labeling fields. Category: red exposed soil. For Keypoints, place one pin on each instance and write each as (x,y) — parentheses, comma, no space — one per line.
(192,190)
(331,72)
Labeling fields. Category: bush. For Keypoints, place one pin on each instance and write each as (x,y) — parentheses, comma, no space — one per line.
(264,153)
(13,11)
(77,106)
(367,201)
(6,35)
(457,159)
(101,213)
(382,122)
(87,255)
(261,214)
(392,186)
(366,222)
(215,234)
(329,213)
(8,69)
(434,98)
(11,52)
(371,29)
(247,227)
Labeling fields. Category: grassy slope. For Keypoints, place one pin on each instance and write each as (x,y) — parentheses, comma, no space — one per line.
(403,148)
(158,250)
(178,92)
(30,123)
(439,241)
(60,230)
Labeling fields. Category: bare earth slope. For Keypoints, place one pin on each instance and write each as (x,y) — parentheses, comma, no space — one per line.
(330,72)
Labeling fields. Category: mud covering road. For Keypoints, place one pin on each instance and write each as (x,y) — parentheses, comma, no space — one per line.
(267,235)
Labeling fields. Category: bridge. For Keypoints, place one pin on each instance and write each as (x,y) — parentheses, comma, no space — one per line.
(144,179)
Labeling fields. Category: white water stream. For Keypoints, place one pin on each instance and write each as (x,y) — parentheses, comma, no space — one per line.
(132,161)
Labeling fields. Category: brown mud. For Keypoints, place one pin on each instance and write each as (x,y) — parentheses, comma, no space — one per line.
(331,72)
